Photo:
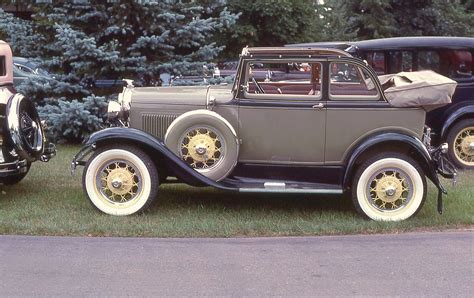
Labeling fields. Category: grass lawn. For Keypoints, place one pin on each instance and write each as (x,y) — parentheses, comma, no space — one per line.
(51,202)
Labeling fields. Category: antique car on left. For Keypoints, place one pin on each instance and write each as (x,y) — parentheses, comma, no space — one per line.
(22,139)
(305,133)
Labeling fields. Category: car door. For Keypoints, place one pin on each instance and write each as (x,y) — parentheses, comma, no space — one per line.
(282,120)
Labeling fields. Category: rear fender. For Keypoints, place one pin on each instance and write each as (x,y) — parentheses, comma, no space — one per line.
(422,156)
(155,148)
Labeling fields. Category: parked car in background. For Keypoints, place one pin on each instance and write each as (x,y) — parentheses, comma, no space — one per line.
(449,56)
(291,134)
(24,68)
(22,139)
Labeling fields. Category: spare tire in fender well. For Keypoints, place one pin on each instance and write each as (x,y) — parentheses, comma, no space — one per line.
(206,141)
(22,118)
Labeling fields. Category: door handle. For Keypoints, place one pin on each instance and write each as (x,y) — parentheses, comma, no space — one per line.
(318,106)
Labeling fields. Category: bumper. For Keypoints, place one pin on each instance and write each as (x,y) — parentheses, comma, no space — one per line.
(13,168)
(443,166)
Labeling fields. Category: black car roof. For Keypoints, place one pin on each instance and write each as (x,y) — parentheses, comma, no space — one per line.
(394,43)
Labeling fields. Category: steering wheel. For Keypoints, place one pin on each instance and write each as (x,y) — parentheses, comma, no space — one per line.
(259,88)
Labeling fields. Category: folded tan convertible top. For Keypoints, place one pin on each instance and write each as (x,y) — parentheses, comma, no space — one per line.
(425,89)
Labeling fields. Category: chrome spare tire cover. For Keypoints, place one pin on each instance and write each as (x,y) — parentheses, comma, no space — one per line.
(24,127)
(205,141)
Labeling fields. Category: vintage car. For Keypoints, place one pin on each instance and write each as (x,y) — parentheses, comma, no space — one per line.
(449,56)
(22,139)
(309,134)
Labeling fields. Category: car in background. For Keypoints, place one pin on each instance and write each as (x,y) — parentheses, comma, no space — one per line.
(448,56)
(24,68)
(22,139)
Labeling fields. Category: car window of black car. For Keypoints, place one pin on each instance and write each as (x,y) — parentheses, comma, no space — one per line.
(428,60)
(399,61)
(351,82)
(376,60)
(456,64)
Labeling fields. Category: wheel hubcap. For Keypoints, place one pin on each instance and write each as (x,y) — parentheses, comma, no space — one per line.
(202,147)
(389,189)
(119,182)
(464,146)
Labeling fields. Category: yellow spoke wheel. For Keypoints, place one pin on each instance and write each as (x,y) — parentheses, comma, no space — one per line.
(201,147)
(120,180)
(464,146)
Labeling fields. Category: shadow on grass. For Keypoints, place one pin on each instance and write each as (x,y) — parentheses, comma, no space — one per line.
(180,196)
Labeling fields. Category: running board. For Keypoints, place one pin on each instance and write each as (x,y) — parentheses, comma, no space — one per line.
(279,187)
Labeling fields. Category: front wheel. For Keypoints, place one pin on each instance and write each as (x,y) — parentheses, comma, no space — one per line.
(389,187)
(120,180)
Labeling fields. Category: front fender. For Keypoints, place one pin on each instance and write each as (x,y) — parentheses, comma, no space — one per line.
(457,114)
(155,147)
(423,156)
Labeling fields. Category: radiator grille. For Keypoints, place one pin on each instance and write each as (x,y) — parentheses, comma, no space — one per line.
(157,124)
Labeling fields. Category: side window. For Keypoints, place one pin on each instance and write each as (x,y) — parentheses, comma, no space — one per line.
(400,61)
(290,80)
(377,61)
(351,82)
(24,68)
(3,69)
(428,60)
(456,64)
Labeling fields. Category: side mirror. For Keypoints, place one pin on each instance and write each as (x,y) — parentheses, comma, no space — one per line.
(245,88)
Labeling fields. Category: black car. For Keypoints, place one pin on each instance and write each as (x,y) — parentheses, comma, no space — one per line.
(449,56)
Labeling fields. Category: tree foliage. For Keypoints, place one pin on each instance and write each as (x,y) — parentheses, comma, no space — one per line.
(272,23)
(370,19)
(83,42)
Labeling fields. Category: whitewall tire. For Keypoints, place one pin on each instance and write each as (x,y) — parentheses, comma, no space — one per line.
(120,180)
(389,187)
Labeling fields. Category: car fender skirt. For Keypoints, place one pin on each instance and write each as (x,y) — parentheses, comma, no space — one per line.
(461,112)
(423,157)
(155,147)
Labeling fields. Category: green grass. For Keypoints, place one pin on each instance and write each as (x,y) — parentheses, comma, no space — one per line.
(51,202)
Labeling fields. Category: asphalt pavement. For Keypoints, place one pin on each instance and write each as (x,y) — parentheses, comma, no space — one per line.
(410,264)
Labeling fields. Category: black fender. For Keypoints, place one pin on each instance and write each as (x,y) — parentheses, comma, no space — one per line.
(459,113)
(155,147)
(423,156)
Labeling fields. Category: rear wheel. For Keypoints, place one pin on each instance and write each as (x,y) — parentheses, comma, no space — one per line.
(120,180)
(388,187)
(461,144)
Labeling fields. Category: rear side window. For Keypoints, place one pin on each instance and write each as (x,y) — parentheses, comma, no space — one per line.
(350,82)
(456,64)
(3,69)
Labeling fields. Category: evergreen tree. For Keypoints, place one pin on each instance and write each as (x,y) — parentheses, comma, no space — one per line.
(81,43)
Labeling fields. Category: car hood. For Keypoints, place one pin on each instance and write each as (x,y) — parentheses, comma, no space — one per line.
(185,95)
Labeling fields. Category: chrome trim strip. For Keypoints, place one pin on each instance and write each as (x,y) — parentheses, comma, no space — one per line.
(291,190)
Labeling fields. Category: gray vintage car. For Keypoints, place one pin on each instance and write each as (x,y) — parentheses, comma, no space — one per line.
(305,133)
